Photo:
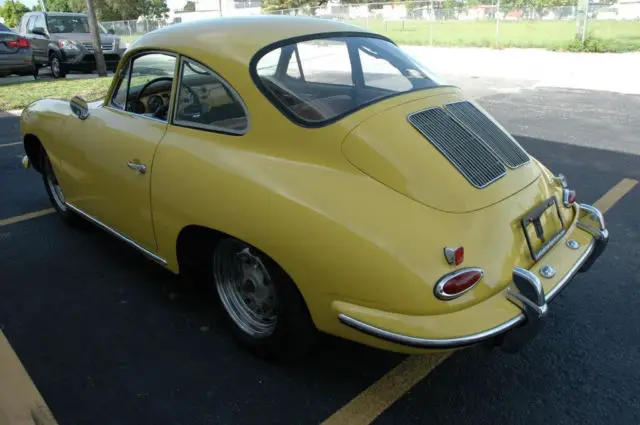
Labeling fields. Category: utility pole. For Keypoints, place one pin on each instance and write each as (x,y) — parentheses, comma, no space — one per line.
(95,36)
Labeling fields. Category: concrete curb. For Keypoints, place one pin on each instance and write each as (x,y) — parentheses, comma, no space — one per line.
(11,112)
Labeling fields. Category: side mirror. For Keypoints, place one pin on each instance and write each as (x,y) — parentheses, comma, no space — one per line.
(79,107)
(112,31)
(39,31)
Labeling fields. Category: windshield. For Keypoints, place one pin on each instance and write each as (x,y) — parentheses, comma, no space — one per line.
(3,28)
(318,81)
(70,24)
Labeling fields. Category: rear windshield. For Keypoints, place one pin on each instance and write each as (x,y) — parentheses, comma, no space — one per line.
(3,28)
(318,81)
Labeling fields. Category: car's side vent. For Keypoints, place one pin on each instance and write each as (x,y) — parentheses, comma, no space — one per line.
(501,143)
(470,155)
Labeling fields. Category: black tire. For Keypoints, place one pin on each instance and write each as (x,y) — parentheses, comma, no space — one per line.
(56,198)
(57,67)
(293,333)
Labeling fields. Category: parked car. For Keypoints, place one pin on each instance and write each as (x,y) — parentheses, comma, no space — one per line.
(317,178)
(63,42)
(16,55)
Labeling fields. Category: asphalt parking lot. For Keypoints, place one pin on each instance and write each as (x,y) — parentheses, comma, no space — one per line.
(110,338)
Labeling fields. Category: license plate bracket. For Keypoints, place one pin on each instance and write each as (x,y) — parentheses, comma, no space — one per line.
(533,218)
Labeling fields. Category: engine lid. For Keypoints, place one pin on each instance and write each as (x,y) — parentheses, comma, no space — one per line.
(442,151)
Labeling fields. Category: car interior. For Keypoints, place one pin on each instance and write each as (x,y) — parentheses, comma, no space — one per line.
(333,93)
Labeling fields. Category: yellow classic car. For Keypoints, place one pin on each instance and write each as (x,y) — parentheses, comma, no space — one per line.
(318,179)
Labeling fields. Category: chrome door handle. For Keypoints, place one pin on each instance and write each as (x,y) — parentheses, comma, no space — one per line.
(141,168)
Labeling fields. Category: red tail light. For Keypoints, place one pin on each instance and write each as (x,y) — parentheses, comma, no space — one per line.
(457,283)
(20,43)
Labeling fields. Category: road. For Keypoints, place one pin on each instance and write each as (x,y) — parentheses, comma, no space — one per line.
(110,338)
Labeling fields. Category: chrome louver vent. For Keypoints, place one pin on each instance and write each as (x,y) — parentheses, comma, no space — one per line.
(496,139)
(463,149)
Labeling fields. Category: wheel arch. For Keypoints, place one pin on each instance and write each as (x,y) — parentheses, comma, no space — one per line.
(34,150)
(194,246)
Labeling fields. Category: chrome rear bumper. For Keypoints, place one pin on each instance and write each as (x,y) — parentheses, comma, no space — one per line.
(526,292)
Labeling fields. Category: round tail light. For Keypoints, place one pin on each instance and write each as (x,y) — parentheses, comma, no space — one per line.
(455,284)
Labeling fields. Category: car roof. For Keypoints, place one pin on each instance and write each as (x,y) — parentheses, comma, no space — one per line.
(238,38)
(65,14)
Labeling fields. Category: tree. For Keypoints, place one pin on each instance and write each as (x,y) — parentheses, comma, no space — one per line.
(12,12)
(95,36)
(114,10)
(190,6)
(273,5)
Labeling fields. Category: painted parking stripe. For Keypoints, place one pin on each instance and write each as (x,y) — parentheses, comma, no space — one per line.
(373,401)
(614,194)
(25,217)
(20,400)
(5,145)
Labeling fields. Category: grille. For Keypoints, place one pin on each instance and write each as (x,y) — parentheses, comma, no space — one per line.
(463,149)
(500,142)
(105,46)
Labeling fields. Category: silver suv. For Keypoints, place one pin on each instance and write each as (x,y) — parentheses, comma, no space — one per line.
(63,41)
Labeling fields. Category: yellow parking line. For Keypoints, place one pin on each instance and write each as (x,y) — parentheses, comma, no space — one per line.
(24,217)
(614,194)
(370,403)
(20,400)
(373,401)
(4,145)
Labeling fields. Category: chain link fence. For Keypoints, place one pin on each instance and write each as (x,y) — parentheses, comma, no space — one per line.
(427,23)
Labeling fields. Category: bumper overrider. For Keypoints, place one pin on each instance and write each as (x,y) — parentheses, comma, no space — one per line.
(526,292)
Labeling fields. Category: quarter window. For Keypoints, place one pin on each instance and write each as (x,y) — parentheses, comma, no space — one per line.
(205,101)
(144,87)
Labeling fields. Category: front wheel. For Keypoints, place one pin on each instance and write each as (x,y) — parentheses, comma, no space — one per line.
(57,69)
(262,305)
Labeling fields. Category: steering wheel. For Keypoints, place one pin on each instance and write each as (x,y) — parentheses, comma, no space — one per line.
(149,83)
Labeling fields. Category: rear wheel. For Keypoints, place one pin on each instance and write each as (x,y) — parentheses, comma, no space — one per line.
(55,193)
(263,307)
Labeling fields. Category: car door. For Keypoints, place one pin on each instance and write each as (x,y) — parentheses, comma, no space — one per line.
(39,42)
(107,172)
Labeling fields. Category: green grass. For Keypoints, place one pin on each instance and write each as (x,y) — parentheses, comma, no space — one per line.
(129,38)
(613,36)
(556,35)
(19,95)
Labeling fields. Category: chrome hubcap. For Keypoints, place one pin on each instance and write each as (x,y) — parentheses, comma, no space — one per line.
(245,288)
(54,187)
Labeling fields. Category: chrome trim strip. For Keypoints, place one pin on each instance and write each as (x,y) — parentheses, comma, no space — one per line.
(100,224)
(463,341)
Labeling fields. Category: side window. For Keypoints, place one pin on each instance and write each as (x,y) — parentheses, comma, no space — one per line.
(325,61)
(205,101)
(145,86)
(39,22)
(119,98)
(30,23)
(380,73)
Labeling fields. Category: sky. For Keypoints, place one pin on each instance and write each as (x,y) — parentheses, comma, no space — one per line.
(28,3)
